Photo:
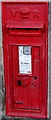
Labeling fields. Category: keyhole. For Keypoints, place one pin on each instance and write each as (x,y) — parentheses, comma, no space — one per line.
(35,77)
(19,82)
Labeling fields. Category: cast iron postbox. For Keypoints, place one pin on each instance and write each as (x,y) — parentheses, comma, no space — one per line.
(25,36)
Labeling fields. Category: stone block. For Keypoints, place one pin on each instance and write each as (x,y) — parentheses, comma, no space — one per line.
(0,54)
(0,81)
(1,67)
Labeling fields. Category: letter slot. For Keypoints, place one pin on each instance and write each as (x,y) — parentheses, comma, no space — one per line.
(18,30)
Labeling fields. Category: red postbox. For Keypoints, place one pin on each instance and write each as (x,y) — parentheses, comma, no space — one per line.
(25,43)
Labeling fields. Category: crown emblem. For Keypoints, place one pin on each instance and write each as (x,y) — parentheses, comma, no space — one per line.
(25,12)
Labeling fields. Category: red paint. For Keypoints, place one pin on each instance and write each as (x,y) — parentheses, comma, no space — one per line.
(25,24)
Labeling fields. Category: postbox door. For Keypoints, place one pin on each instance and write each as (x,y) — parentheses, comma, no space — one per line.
(26,76)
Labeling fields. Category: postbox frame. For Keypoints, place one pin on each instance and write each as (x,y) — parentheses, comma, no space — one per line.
(9,110)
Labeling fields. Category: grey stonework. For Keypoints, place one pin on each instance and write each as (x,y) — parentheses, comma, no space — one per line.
(2,99)
(0,26)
